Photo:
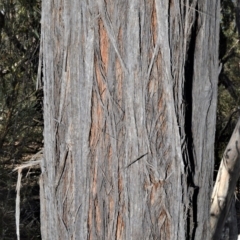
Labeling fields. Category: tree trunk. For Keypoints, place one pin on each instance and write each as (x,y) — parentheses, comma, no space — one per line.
(129,114)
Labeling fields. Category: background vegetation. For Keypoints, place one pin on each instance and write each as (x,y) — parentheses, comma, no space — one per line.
(229,83)
(20,114)
(228,110)
(21,122)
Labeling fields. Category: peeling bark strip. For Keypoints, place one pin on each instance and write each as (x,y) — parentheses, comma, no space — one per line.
(228,174)
(128,83)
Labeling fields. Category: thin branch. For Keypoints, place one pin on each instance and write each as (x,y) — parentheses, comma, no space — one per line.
(136,160)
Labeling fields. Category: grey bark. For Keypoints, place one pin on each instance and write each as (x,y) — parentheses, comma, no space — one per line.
(129,114)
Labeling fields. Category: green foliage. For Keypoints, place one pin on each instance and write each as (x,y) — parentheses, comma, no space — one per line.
(20,122)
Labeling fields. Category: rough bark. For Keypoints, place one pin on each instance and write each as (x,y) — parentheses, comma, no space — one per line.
(129,114)
(225,185)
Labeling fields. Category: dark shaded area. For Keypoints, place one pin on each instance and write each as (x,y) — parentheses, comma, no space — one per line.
(21,122)
(189,159)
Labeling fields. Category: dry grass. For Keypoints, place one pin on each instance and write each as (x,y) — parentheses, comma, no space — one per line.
(33,162)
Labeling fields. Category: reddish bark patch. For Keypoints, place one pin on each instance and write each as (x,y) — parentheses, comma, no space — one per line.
(119,77)
(94,126)
(90,220)
(94,182)
(156,192)
(104,45)
(120,39)
(98,217)
(97,108)
(100,82)
(152,86)
(120,227)
(164,224)
(120,183)
(154,24)
(111,207)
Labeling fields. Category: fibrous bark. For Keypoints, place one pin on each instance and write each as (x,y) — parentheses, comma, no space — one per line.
(129,114)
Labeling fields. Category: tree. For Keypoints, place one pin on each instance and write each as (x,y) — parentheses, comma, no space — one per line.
(129,114)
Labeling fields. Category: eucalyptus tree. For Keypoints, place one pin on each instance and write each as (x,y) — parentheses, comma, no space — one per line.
(130,115)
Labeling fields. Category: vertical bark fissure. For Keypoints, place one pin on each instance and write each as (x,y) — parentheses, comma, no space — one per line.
(190,159)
